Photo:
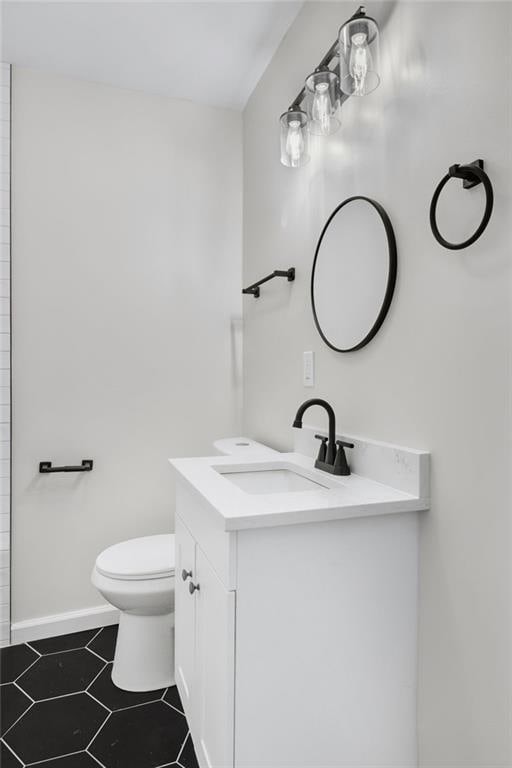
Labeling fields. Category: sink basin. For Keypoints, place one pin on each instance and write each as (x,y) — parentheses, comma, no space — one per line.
(270,480)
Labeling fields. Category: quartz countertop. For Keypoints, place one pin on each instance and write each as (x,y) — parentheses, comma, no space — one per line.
(335,497)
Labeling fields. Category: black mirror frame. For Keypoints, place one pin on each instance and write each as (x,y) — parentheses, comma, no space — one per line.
(392,272)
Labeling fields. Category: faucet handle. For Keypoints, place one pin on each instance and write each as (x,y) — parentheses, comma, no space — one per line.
(323,448)
(343,444)
(341,466)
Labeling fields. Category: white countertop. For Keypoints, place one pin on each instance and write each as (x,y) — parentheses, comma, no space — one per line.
(345,497)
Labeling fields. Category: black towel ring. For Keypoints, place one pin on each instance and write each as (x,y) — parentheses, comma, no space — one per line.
(472,174)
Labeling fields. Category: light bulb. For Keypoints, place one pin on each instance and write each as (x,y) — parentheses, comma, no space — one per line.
(360,62)
(294,142)
(321,107)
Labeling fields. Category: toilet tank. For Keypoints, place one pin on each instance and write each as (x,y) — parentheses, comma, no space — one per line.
(242,446)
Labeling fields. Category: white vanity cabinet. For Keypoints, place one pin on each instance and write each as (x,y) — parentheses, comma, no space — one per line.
(205,651)
(298,649)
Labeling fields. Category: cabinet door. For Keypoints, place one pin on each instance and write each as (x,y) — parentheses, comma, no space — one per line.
(215,668)
(185,618)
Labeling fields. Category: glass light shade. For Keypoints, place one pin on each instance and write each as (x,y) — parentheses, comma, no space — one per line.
(322,101)
(294,138)
(359,55)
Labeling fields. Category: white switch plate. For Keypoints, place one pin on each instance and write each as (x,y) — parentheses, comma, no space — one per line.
(308,369)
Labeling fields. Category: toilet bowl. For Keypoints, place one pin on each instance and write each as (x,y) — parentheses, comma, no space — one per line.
(137,577)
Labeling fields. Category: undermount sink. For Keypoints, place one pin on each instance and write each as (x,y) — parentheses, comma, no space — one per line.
(278,480)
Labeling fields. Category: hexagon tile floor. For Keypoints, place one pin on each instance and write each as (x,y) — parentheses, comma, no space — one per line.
(60,709)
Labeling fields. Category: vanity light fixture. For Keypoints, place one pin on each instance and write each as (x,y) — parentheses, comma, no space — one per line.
(349,68)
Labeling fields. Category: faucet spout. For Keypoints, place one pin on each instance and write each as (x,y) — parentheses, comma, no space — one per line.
(331,444)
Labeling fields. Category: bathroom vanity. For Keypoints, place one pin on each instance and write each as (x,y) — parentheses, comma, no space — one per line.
(296,606)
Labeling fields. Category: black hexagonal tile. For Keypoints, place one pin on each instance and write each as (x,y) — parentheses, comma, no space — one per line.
(104,644)
(64,642)
(187,758)
(60,673)
(113,697)
(14,660)
(79,760)
(7,759)
(142,737)
(56,727)
(13,703)
(172,697)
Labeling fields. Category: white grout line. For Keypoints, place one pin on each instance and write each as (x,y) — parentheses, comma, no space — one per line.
(11,750)
(26,670)
(94,680)
(97,655)
(134,706)
(16,721)
(94,758)
(34,649)
(24,691)
(56,757)
(183,746)
(98,702)
(62,696)
(98,731)
(109,661)
(171,706)
(65,650)
(95,636)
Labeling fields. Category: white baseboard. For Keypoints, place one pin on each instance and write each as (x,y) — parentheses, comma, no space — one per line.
(63,623)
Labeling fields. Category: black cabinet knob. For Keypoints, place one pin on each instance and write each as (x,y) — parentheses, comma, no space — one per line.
(192,587)
(185,574)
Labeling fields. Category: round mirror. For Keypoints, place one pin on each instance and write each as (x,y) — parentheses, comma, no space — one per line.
(354,274)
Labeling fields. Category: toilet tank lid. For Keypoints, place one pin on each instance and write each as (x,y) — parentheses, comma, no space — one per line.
(150,557)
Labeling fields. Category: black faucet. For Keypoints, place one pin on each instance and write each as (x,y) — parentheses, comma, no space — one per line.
(329,459)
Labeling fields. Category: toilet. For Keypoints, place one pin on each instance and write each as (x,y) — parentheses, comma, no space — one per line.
(137,577)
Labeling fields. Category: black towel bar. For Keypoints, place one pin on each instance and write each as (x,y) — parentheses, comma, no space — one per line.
(255,287)
(46,467)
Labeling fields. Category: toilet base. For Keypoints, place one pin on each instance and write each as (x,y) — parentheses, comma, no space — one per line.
(144,657)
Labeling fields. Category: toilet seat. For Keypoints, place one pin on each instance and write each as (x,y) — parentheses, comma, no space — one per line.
(149,557)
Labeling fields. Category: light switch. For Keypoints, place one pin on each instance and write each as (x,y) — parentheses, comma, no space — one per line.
(308,369)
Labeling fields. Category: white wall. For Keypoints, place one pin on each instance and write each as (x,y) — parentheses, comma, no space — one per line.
(5,355)
(437,376)
(126,317)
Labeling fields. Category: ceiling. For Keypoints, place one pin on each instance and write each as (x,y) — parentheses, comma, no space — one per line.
(208,52)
